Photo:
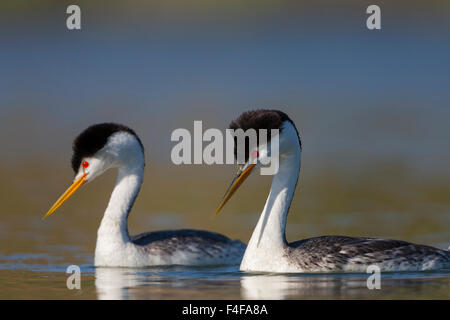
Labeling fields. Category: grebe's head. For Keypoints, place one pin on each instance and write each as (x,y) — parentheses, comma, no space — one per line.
(104,146)
(282,135)
(99,148)
(277,123)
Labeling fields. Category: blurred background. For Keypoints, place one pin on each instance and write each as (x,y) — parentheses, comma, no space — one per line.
(372,108)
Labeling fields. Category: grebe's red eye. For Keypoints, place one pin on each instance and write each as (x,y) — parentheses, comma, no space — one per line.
(85,164)
(255,154)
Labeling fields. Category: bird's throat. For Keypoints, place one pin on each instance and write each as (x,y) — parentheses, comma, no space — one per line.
(268,238)
(113,230)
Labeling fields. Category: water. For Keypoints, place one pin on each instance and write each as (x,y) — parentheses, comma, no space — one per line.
(35,253)
(23,277)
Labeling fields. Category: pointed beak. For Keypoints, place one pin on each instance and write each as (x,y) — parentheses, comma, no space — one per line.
(66,195)
(240,177)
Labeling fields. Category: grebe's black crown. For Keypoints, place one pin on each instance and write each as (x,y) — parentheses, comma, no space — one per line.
(93,139)
(261,119)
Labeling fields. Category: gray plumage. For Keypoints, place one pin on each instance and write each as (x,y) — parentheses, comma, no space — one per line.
(341,253)
(205,244)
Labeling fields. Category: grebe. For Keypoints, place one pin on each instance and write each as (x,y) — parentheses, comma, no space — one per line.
(108,145)
(268,249)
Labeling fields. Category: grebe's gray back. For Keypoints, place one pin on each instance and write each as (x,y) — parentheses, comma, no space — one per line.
(335,253)
(108,145)
(268,249)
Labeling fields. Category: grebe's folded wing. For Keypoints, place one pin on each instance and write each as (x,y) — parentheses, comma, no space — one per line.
(349,253)
(193,241)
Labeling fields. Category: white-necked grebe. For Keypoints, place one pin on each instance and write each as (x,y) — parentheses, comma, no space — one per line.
(108,145)
(268,249)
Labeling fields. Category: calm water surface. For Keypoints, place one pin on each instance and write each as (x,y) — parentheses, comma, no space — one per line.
(24,276)
(35,253)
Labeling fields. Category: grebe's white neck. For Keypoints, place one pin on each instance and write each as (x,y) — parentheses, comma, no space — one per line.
(269,238)
(113,234)
(128,183)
